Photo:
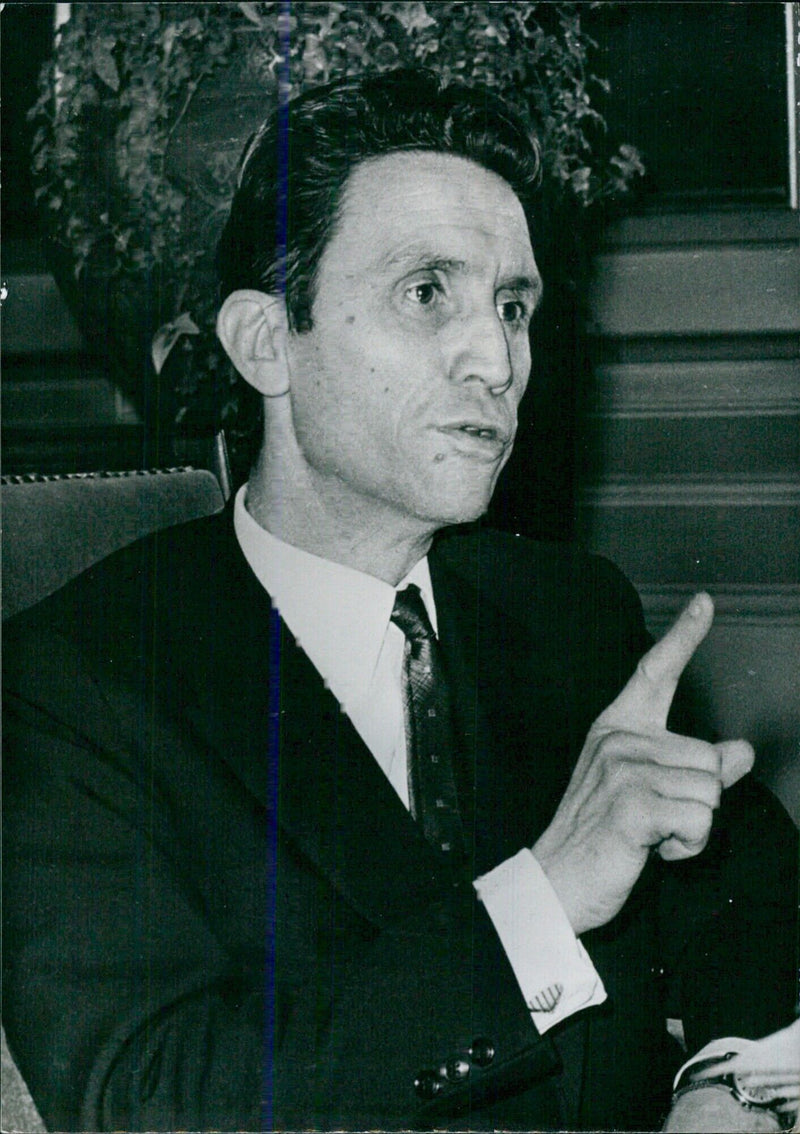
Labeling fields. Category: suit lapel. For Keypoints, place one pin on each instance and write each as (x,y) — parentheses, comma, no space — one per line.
(338,806)
(503,660)
(226,637)
(264,708)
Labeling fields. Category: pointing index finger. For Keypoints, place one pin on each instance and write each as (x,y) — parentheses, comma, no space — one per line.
(647,697)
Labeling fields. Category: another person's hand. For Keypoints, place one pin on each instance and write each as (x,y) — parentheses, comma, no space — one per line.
(637,786)
(771,1065)
(714,1110)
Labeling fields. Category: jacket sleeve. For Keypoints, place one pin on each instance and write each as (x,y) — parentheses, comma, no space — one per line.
(423,1025)
(728,918)
(121,1007)
(729,923)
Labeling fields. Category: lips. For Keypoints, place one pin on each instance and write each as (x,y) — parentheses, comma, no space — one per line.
(487,432)
(492,433)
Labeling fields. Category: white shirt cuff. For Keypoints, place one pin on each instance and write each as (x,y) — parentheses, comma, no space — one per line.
(717,1049)
(553,970)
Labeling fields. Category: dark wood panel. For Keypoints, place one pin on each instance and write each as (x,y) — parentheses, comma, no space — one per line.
(735,445)
(750,537)
(76,449)
(36,318)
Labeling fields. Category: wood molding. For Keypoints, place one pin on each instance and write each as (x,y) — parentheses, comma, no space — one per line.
(697,389)
(658,348)
(755,605)
(711,226)
(691,492)
(712,290)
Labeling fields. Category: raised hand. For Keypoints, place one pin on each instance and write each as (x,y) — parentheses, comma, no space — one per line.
(637,786)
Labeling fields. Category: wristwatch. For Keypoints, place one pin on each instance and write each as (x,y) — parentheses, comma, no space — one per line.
(751,1096)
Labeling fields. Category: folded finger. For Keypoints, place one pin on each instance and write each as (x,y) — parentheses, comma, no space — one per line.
(682,785)
(683,828)
(667,749)
(676,850)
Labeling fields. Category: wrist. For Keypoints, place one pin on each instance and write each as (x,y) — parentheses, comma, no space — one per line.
(548,859)
(708,1106)
(759,1103)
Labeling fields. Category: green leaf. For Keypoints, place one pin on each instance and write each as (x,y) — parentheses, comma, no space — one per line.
(105,66)
(252,13)
(167,336)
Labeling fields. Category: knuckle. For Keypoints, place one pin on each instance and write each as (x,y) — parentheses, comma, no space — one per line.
(614,745)
(617,777)
(644,670)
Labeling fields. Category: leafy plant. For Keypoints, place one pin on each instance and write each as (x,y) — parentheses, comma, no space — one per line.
(135,191)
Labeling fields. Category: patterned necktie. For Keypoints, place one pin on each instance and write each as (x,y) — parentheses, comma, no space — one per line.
(429,731)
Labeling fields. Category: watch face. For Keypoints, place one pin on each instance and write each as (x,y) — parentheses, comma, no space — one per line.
(754,1093)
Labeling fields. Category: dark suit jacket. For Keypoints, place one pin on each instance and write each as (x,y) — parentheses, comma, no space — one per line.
(218,915)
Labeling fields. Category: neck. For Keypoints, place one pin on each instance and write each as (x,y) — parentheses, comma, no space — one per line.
(325,519)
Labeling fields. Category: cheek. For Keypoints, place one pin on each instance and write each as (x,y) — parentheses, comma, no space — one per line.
(521,367)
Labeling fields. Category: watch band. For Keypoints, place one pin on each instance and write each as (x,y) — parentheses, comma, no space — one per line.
(749,1097)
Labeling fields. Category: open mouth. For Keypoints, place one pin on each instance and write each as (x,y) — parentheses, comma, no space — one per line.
(484,431)
(477,431)
(477,439)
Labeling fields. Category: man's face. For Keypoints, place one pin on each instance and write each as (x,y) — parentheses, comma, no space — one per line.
(405,392)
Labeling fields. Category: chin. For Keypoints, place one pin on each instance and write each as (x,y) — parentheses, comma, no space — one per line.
(467,501)
(460,497)
(463,511)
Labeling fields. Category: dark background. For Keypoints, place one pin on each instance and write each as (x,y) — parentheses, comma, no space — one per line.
(699,88)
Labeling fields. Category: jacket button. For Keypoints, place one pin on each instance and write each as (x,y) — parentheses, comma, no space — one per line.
(456,1069)
(427,1084)
(482,1051)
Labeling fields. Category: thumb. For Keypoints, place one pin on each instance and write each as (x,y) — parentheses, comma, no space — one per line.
(737,758)
(646,699)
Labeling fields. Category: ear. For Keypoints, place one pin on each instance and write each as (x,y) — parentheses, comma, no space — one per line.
(252,327)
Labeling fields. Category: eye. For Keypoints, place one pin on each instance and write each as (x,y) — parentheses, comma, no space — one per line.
(513,311)
(423,293)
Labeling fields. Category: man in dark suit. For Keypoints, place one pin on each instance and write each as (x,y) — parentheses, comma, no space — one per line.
(316,823)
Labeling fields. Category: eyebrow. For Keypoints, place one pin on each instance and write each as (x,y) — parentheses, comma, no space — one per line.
(525,285)
(419,257)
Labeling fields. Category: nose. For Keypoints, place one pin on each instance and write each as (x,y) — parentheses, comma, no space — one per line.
(482,352)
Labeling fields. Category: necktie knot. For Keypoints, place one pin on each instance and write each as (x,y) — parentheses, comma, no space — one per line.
(410,615)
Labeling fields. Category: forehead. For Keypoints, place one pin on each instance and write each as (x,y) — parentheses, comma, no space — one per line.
(399,205)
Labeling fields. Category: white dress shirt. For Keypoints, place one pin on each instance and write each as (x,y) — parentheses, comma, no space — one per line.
(341,618)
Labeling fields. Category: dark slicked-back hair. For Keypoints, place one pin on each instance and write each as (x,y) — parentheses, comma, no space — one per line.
(294,170)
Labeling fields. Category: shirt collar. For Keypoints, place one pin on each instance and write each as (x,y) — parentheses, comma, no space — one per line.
(338,615)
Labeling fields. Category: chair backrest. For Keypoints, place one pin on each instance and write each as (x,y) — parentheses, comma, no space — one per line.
(54,527)
(18,1113)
